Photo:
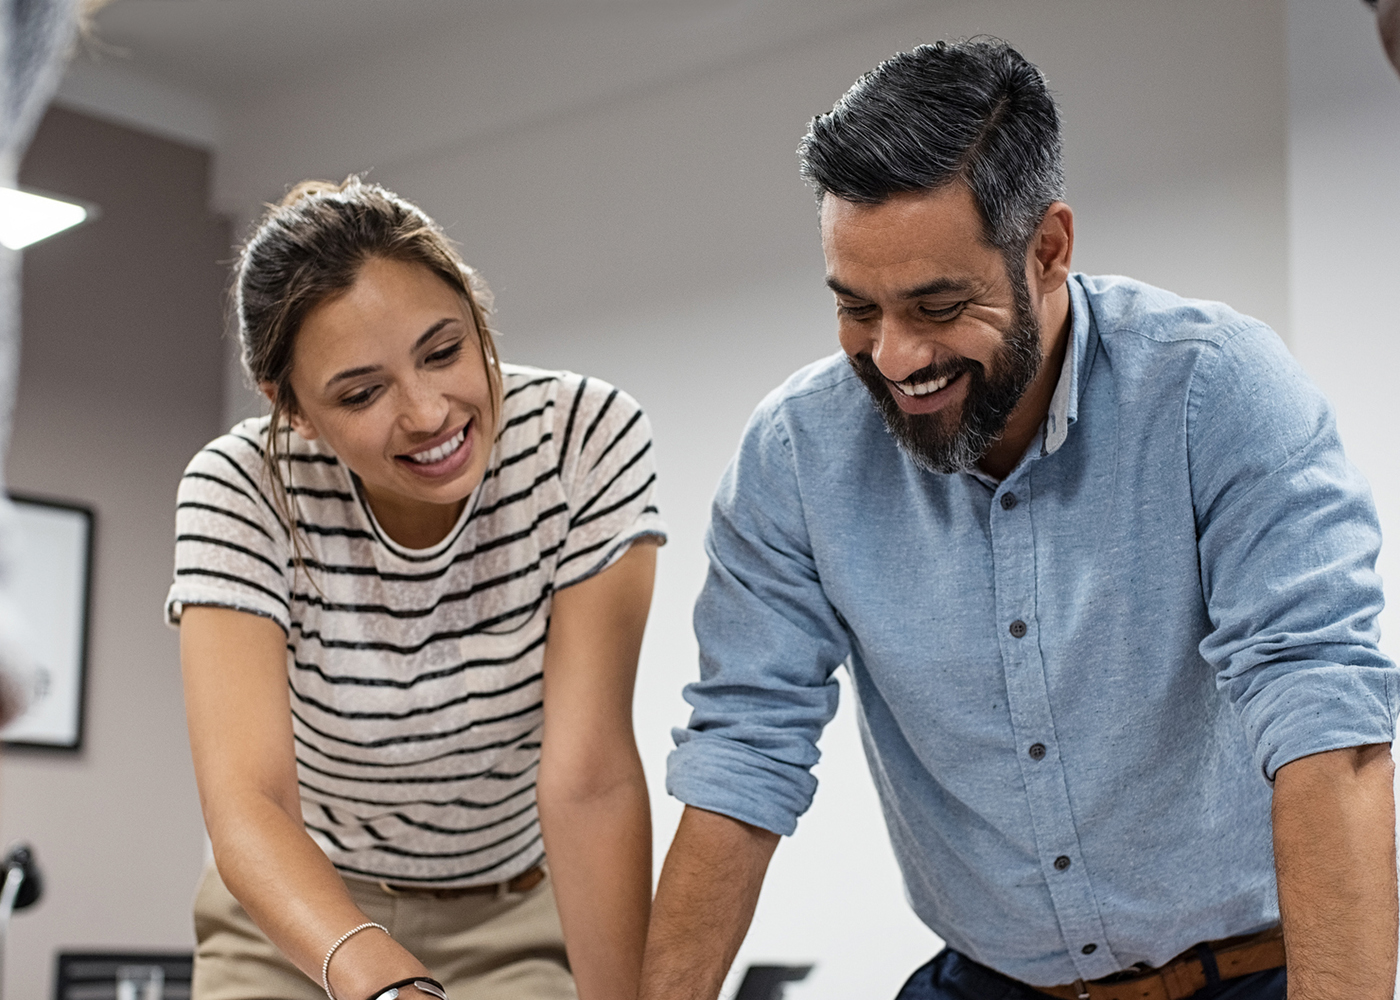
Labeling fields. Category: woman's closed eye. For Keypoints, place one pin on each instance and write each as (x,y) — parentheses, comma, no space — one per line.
(360,398)
(445,355)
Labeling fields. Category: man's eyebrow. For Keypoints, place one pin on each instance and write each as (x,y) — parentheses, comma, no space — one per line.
(939,286)
(427,335)
(841,289)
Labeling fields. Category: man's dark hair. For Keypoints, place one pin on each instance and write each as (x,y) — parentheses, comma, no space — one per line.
(973,111)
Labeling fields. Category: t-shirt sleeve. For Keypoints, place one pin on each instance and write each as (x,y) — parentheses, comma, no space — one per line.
(231,548)
(608,476)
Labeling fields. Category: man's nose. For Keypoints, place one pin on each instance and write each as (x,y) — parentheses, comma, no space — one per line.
(899,351)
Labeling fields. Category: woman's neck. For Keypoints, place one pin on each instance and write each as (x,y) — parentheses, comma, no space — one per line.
(413,524)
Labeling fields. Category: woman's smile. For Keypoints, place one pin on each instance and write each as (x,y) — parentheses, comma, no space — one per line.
(443,455)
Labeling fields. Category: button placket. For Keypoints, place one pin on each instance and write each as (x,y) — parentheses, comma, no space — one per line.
(1047,795)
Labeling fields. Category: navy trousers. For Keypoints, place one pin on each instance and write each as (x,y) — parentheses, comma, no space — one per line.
(953,976)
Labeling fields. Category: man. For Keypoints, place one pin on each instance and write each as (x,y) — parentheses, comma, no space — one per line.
(1101,575)
(1388,22)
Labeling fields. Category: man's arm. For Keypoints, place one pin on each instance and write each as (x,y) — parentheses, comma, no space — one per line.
(1334,845)
(704,903)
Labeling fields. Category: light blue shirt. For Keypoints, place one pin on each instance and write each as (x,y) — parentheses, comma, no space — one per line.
(1074,685)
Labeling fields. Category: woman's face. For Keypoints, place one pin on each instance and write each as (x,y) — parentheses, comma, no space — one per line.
(390,374)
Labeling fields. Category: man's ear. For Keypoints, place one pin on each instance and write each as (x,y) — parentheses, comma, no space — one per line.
(1052,248)
(295,418)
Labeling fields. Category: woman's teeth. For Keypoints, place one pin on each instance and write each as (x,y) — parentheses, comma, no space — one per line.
(922,388)
(441,451)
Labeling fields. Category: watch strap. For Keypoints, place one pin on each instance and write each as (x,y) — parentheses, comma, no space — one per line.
(430,986)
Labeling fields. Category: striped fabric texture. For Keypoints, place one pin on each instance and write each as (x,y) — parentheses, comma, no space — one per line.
(416,675)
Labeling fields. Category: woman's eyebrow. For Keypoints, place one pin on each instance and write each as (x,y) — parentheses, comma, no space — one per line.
(428,334)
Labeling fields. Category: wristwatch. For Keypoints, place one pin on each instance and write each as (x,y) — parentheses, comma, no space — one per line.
(429,986)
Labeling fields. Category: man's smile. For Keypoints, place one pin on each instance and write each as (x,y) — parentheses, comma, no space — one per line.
(927,396)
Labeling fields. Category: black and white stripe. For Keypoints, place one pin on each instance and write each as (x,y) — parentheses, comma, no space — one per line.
(416,674)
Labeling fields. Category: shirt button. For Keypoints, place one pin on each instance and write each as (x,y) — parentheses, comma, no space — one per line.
(1061,863)
(1089,949)
(1037,751)
(1008,500)
(1018,629)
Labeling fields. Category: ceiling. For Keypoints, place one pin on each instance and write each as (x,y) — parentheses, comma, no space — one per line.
(234,50)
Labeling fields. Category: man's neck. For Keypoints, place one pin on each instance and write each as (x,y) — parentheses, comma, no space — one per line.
(1028,416)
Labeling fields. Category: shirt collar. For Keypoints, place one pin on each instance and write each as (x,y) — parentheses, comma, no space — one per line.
(1064,404)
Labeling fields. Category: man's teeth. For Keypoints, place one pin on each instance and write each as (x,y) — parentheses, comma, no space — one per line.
(922,388)
(441,451)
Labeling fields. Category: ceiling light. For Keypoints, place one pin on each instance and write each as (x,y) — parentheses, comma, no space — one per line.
(28,218)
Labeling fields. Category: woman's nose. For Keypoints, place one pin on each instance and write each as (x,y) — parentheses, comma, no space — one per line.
(424,409)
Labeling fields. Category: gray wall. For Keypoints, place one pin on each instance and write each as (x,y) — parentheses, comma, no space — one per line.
(120,383)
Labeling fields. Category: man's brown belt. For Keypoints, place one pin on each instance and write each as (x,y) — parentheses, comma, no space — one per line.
(1184,975)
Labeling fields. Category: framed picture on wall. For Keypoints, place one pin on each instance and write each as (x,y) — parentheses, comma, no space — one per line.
(51,553)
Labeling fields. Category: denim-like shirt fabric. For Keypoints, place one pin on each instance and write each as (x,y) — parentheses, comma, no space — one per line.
(1074,685)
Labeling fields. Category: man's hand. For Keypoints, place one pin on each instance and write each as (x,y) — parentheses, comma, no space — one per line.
(1334,845)
(704,903)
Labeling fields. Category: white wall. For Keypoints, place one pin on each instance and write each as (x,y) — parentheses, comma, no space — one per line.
(630,189)
(1344,243)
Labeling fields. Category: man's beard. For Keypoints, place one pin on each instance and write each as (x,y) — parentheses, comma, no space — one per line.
(933,440)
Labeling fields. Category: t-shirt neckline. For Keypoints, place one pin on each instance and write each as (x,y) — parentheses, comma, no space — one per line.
(433,551)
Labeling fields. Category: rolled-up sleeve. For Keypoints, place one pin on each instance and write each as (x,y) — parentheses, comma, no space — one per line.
(1288,540)
(769,644)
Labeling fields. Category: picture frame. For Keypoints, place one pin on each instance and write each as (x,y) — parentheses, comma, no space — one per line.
(51,561)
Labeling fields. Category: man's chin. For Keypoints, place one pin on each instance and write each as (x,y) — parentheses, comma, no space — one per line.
(930,443)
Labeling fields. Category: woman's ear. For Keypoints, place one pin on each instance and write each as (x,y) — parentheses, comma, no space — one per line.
(295,418)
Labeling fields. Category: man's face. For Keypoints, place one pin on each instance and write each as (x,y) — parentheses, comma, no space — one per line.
(943,338)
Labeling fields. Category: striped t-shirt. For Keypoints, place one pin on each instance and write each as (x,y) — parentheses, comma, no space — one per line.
(415,675)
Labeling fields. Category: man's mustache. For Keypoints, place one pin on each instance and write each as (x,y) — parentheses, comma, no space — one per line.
(951,369)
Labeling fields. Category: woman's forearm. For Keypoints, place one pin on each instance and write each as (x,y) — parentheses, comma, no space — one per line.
(599,848)
(294,894)
(234,666)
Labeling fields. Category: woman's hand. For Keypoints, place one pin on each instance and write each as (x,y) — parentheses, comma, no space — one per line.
(240,719)
(592,793)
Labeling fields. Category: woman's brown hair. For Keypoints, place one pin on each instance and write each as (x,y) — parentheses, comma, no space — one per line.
(310,247)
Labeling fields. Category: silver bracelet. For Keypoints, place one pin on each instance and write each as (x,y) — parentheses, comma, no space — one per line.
(326,965)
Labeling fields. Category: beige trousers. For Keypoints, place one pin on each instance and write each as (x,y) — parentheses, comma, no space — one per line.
(480,947)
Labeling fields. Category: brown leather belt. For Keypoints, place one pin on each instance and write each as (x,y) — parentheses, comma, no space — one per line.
(523,882)
(1184,975)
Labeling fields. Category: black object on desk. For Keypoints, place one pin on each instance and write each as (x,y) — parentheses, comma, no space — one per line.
(767,982)
(110,975)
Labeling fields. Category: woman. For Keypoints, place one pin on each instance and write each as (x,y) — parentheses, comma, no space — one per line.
(410,606)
